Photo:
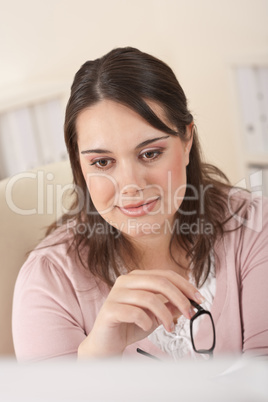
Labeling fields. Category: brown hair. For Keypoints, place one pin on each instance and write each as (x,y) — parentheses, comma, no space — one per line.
(130,77)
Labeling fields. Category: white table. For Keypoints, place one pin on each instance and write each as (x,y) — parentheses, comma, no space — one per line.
(224,380)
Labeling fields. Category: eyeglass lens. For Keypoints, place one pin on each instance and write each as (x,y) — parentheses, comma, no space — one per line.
(204,344)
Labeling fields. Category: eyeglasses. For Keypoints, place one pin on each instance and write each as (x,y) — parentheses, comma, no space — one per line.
(202,346)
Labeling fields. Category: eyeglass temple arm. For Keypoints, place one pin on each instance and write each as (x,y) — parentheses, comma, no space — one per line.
(196,305)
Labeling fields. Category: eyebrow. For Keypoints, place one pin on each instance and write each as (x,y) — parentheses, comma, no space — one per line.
(106,151)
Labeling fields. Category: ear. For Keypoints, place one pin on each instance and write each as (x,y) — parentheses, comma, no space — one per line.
(188,143)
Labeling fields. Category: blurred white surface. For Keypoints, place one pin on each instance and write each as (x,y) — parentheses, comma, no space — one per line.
(144,380)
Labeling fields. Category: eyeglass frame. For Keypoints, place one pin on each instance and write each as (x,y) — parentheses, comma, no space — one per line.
(202,311)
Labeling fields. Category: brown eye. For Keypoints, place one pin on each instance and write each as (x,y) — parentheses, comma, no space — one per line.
(149,154)
(102,163)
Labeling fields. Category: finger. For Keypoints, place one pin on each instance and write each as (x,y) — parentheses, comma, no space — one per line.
(127,314)
(183,284)
(175,312)
(159,284)
(155,303)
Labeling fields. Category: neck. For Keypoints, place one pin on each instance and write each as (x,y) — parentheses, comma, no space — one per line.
(155,254)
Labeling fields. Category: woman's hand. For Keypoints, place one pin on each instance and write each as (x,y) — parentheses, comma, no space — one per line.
(137,304)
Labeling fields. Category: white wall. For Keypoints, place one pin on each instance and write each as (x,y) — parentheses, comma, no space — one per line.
(48,40)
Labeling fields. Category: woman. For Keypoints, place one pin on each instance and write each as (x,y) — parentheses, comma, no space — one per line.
(155,228)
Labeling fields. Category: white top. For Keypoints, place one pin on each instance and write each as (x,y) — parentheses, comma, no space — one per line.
(178,343)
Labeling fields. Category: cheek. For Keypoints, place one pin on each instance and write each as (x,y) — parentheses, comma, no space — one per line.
(179,183)
(102,190)
(173,174)
(178,176)
(174,181)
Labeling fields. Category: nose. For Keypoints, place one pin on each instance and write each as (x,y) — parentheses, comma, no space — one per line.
(130,179)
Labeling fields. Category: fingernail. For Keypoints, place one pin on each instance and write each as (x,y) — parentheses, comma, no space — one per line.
(191,312)
(172,327)
(199,297)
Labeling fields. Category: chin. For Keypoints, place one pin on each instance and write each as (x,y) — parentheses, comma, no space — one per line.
(139,230)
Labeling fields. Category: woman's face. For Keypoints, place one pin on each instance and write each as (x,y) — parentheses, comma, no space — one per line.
(136,174)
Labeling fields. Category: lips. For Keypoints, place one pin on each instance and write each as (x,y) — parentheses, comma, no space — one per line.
(139,209)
